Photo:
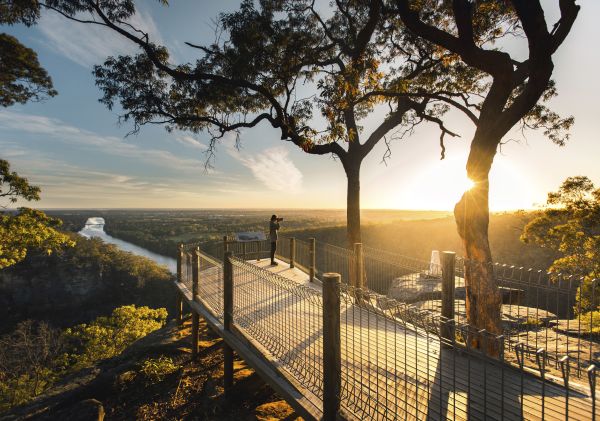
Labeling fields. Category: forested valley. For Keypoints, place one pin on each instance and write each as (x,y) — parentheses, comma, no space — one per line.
(410,233)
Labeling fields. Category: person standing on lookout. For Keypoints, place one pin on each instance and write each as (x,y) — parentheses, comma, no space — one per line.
(273,228)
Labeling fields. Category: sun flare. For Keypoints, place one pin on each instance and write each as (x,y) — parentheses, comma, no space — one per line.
(438,186)
(441,184)
(468,184)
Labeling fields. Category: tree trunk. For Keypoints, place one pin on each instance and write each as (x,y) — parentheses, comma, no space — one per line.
(483,298)
(353,204)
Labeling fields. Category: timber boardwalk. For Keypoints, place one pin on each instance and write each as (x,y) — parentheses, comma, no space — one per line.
(390,362)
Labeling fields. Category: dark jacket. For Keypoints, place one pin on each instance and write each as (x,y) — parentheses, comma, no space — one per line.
(273,227)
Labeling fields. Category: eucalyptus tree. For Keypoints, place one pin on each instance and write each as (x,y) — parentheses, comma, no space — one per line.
(281,63)
(510,91)
(22,79)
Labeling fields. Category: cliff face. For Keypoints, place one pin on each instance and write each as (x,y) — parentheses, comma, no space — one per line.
(80,283)
(53,295)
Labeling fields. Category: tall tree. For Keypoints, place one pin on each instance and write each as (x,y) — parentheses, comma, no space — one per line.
(510,94)
(267,56)
(22,79)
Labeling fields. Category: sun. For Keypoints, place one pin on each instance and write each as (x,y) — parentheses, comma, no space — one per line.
(440,185)
(468,184)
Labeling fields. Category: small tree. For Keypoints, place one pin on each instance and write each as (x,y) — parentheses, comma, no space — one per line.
(108,336)
(570,225)
(27,228)
(29,362)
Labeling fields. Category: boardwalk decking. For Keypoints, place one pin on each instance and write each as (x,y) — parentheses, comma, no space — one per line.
(390,369)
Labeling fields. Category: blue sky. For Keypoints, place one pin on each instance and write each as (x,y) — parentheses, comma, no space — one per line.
(72,146)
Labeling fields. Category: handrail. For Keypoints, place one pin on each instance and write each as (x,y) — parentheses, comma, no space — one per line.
(387,354)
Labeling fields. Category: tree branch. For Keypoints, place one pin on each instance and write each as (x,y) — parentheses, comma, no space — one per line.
(493,62)
(394,119)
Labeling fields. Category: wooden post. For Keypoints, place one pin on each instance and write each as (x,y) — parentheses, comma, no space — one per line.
(195,315)
(332,359)
(227,319)
(359,267)
(292,252)
(313,256)
(448,259)
(244,251)
(258,251)
(179,304)
(225,245)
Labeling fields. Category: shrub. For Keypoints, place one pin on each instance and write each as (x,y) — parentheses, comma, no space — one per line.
(156,369)
(109,336)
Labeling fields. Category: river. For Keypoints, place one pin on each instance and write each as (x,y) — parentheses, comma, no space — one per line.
(94,227)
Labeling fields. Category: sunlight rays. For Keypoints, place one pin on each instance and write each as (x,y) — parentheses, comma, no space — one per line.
(441,184)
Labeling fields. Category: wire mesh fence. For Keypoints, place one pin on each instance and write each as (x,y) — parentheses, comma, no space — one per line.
(284,317)
(553,312)
(303,255)
(283,249)
(396,363)
(546,310)
(210,282)
(245,250)
(334,259)
(556,312)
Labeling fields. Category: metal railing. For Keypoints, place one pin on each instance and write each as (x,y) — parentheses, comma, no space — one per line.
(284,317)
(397,365)
(396,360)
(539,310)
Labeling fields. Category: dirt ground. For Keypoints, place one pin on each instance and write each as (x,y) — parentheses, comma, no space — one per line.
(195,391)
(120,389)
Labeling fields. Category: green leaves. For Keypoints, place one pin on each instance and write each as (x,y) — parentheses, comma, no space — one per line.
(12,186)
(35,355)
(571,226)
(156,369)
(26,12)
(21,76)
(28,229)
(107,337)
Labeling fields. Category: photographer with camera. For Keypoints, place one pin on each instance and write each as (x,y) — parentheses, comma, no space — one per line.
(273,228)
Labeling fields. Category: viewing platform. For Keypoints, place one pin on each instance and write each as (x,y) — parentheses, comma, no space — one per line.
(333,347)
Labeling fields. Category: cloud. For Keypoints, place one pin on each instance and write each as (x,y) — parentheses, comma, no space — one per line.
(67,185)
(273,168)
(57,129)
(88,44)
(190,141)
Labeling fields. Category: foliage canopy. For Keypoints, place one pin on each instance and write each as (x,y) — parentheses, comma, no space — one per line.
(27,228)
(35,355)
(22,78)
(570,225)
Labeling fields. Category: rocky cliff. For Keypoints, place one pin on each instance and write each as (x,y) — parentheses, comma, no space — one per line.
(80,283)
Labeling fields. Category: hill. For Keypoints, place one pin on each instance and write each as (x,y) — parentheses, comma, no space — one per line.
(156,379)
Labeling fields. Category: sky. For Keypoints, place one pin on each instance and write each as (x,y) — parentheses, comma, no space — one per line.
(74,149)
